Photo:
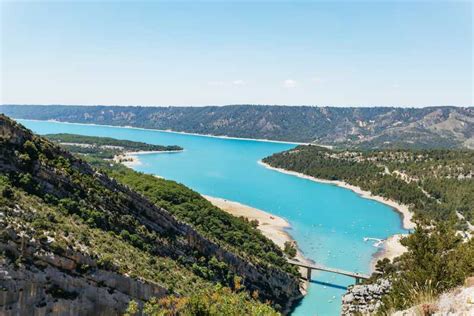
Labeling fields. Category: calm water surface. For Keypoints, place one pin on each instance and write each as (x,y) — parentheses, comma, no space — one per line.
(328,222)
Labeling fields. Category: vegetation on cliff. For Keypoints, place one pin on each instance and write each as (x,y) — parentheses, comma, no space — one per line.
(217,301)
(60,214)
(236,234)
(437,260)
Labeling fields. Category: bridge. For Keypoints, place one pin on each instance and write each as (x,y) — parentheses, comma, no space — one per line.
(309,267)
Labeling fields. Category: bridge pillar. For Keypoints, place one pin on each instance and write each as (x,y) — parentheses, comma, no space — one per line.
(357,280)
(308,274)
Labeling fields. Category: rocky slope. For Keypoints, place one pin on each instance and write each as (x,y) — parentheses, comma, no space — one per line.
(53,283)
(365,298)
(458,301)
(74,240)
(370,127)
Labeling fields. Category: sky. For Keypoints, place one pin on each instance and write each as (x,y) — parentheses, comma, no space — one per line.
(337,53)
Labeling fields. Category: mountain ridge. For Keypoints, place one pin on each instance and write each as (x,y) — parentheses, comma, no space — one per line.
(361,127)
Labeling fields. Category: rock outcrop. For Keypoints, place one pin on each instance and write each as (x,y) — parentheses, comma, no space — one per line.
(458,301)
(364,299)
(63,284)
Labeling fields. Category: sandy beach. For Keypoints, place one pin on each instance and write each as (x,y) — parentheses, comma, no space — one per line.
(127,160)
(400,208)
(130,158)
(271,226)
(391,248)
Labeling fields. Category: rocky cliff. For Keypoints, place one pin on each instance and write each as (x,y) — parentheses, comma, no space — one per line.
(365,298)
(68,283)
(52,272)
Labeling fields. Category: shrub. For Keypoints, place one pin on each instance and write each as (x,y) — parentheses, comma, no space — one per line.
(290,249)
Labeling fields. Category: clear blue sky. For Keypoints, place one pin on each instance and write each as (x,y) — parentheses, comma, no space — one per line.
(198,53)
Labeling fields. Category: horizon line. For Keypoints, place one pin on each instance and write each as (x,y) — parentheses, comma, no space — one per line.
(246,104)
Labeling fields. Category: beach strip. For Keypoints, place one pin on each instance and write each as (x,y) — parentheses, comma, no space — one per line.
(391,249)
(271,226)
(130,158)
(407,216)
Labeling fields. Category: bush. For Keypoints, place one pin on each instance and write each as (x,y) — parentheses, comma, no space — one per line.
(217,301)
(7,192)
(290,249)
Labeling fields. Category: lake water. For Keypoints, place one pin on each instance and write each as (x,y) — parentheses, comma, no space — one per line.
(328,222)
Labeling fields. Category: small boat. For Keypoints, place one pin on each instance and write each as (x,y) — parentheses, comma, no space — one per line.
(377,242)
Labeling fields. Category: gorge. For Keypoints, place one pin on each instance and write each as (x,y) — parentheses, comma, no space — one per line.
(329,223)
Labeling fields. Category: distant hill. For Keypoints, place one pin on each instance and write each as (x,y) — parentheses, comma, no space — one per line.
(75,240)
(370,127)
(436,184)
(104,147)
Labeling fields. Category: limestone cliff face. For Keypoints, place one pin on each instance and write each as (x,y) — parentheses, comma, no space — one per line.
(53,281)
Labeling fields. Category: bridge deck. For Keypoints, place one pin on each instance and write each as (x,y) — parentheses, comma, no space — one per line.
(331,270)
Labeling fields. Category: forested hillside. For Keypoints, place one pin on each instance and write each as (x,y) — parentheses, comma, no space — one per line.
(104,147)
(72,237)
(370,127)
(437,185)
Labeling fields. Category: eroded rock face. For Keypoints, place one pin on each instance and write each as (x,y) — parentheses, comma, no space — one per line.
(31,291)
(49,283)
(364,299)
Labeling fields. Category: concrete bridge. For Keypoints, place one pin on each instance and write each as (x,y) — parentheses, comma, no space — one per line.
(309,267)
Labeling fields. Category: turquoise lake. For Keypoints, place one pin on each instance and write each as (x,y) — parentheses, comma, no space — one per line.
(328,222)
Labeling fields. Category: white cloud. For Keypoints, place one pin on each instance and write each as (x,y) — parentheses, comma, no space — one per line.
(289,83)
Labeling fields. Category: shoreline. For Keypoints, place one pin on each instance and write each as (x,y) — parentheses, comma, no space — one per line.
(176,132)
(391,249)
(273,227)
(276,228)
(406,215)
(130,158)
(391,246)
(277,232)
